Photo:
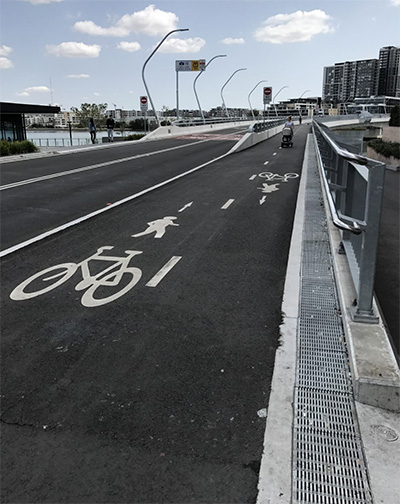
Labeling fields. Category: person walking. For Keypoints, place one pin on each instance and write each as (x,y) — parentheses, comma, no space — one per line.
(110,128)
(92,130)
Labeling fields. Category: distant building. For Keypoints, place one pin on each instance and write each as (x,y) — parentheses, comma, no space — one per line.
(346,81)
(389,71)
(349,80)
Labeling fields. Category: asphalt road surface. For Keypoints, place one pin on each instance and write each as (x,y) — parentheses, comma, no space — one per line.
(144,383)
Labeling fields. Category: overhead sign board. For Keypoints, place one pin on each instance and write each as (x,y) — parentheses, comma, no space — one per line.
(144,104)
(190,65)
(267,93)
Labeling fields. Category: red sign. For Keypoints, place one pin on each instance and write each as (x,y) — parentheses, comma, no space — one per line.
(267,94)
(143,103)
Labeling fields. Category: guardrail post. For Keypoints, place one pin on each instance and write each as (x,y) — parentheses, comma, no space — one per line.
(363,311)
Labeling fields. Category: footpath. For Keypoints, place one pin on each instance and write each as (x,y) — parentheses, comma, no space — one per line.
(321,445)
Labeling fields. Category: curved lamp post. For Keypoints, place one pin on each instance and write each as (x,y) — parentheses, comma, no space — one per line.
(144,66)
(236,71)
(248,98)
(306,91)
(273,101)
(195,80)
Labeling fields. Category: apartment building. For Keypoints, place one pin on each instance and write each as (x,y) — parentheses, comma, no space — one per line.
(343,82)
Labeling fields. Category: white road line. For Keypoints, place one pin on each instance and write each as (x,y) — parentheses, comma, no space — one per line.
(105,209)
(252,177)
(266,162)
(227,204)
(274,154)
(163,271)
(93,167)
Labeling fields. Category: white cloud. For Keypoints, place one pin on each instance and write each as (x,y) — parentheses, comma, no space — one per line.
(396,3)
(190,45)
(34,89)
(37,2)
(299,26)
(5,50)
(149,21)
(129,46)
(78,76)
(230,40)
(5,63)
(37,89)
(74,50)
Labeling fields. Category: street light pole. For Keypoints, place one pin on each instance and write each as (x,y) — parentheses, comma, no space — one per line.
(195,80)
(273,101)
(223,103)
(144,66)
(306,91)
(248,98)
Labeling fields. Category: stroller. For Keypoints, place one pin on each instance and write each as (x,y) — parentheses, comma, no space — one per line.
(287,136)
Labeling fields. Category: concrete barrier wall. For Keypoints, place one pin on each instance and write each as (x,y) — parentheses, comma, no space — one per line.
(171,131)
(250,139)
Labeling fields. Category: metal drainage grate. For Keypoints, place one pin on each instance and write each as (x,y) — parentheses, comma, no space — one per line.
(328,464)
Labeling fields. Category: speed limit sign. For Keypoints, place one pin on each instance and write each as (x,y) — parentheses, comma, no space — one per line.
(267,93)
(143,104)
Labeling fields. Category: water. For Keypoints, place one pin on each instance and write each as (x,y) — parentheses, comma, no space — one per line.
(61,138)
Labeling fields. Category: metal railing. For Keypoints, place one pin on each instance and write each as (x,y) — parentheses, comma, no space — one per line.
(354,189)
(59,142)
(258,127)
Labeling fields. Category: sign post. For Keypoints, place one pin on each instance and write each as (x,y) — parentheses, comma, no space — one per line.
(144,107)
(267,94)
(186,66)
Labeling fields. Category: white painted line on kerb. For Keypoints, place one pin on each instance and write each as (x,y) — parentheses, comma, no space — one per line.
(252,177)
(163,271)
(227,204)
(93,167)
(105,209)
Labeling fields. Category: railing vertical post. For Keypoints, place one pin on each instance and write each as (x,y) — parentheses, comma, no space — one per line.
(364,309)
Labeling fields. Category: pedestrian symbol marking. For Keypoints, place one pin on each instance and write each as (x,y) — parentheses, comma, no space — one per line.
(158,227)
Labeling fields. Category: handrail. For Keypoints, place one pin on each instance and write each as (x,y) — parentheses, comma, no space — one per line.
(348,156)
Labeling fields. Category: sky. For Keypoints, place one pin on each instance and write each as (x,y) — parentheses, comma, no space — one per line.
(69,52)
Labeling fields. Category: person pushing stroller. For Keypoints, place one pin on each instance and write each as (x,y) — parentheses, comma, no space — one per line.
(287,133)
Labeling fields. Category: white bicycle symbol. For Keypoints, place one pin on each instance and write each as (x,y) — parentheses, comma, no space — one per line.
(109,277)
(276,176)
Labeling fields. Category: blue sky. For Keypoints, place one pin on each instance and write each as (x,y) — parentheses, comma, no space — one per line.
(68,52)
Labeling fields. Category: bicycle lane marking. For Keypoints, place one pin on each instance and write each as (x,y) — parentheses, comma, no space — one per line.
(51,232)
(93,167)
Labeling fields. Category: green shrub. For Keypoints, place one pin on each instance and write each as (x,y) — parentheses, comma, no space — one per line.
(4,148)
(136,136)
(14,148)
(386,149)
(395,116)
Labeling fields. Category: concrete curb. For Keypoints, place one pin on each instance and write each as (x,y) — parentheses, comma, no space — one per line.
(275,478)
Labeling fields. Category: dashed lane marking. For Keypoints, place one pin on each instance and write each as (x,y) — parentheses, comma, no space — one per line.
(163,271)
(227,204)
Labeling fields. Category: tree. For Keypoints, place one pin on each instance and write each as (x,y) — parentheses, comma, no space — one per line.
(87,110)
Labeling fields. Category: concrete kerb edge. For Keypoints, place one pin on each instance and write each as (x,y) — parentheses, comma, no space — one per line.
(275,478)
(374,369)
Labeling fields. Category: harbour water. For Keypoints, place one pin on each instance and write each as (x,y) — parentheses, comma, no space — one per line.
(61,138)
